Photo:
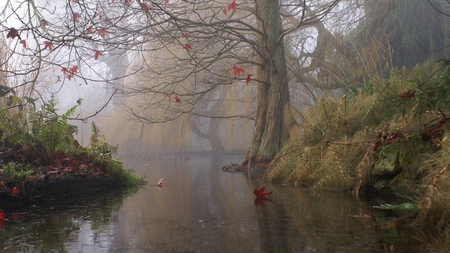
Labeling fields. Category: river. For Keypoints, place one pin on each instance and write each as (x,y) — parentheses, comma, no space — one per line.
(203,209)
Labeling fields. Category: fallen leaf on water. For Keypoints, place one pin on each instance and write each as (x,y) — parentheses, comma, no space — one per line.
(260,192)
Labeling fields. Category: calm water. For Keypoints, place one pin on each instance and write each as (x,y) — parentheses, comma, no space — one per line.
(202,209)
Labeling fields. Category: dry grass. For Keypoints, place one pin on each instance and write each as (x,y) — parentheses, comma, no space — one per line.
(335,148)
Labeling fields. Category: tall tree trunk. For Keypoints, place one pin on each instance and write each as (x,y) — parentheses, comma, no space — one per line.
(271,128)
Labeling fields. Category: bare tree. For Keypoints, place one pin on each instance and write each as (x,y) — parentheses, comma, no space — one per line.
(181,51)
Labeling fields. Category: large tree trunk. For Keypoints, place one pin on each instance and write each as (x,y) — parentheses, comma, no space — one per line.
(271,128)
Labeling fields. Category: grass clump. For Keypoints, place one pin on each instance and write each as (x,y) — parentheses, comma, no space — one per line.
(341,137)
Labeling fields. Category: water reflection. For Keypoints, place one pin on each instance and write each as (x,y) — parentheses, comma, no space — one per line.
(202,209)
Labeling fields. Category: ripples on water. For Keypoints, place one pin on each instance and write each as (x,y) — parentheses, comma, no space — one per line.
(202,209)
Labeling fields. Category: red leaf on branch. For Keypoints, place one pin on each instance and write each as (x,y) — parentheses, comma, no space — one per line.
(186,35)
(49,45)
(187,46)
(233,6)
(97,54)
(89,30)
(225,10)
(24,43)
(70,77)
(64,70)
(177,100)
(237,70)
(247,81)
(145,7)
(44,22)
(260,192)
(13,33)
(73,69)
(76,16)
(102,33)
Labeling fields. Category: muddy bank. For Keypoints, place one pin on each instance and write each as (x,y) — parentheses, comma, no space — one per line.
(60,188)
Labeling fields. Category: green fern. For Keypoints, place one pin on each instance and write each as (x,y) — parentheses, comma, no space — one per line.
(52,131)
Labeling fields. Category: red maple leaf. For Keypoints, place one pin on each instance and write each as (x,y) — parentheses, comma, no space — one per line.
(97,54)
(177,100)
(64,70)
(13,33)
(102,33)
(247,81)
(76,16)
(237,70)
(145,7)
(187,46)
(49,45)
(259,193)
(73,69)
(24,43)
(225,10)
(232,6)
(70,77)
(186,35)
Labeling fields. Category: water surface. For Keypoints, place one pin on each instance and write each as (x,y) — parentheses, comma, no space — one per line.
(202,209)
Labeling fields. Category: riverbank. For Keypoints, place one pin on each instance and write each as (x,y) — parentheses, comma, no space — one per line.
(61,177)
(391,138)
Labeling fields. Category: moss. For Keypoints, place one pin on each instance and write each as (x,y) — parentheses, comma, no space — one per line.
(387,164)
(413,151)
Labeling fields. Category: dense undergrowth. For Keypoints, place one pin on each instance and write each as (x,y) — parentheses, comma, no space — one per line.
(390,136)
(37,144)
